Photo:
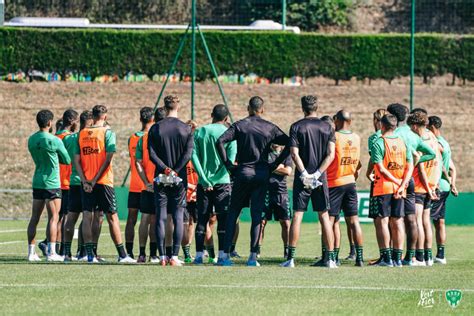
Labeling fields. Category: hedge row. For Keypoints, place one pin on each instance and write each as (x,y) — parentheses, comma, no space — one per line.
(267,54)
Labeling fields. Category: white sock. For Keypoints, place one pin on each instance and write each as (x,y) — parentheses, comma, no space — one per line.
(51,248)
(199,254)
(221,254)
(31,249)
(163,258)
(175,258)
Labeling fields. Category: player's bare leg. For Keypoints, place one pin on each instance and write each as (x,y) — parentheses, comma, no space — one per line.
(420,244)
(397,229)
(428,254)
(130,230)
(36,211)
(357,238)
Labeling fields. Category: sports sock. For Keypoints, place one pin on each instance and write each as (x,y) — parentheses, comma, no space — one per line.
(336,254)
(187,252)
(129,247)
(94,248)
(386,255)
(89,251)
(419,254)
(285,251)
(67,248)
(291,253)
(153,248)
(142,251)
(359,253)
(51,248)
(211,251)
(440,253)
(409,255)
(31,249)
(323,253)
(56,248)
(61,249)
(121,251)
(397,254)
(169,251)
(257,249)
(82,251)
(44,241)
(428,254)
(353,250)
(331,255)
(232,248)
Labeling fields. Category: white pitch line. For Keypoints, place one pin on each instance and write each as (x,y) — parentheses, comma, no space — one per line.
(19,230)
(11,242)
(226,286)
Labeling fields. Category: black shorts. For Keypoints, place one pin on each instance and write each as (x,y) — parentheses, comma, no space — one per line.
(249,191)
(410,199)
(133,200)
(147,202)
(438,207)
(387,206)
(277,207)
(213,202)
(75,199)
(190,212)
(319,197)
(169,198)
(343,198)
(423,199)
(102,198)
(46,194)
(64,202)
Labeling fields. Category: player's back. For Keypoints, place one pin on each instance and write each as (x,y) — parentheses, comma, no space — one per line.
(43,149)
(311,136)
(347,157)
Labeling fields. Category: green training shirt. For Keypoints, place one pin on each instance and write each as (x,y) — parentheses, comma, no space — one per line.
(205,155)
(372,139)
(415,143)
(139,150)
(446,156)
(71,143)
(47,152)
(378,150)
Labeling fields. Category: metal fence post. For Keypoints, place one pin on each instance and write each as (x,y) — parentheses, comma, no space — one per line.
(2,12)
(283,14)
(412,54)
(193,55)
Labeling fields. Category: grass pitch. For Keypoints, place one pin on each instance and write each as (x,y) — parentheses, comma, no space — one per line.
(75,288)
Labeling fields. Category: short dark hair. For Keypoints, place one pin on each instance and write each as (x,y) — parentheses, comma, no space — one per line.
(220,112)
(43,117)
(59,125)
(379,114)
(418,118)
(327,119)
(146,114)
(399,110)
(343,116)
(98,111)
(419,110)
(160,114)
(435,121)
(256,104)
(69,117)
(389,121)
(309,103)
(84,117)
(171,102)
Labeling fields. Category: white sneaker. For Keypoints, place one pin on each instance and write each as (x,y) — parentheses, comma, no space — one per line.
(126,259)
(82,259)
(55,258)
(95,260)
(417,263)
(288,264)
(429,263)
(331,264)
(33,257)
(440,260)
(154,260)
(74,259)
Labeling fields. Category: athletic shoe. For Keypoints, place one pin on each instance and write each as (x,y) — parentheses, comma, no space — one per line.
(33,257)
(440,260)
(198,260)
(94,260)
(188,260)
(397,263)
(126,259)
(417,263)
(74,259)
(67,258)
(407,263)
(154,260)
(376,262)
(82,259)
(350,257)
(141,259)
(338,263)
(288,264)
(55,258)
(429,263)
(253,263)
(319,263)
(227,262)
(331,264)
(383,263)
(212,260)
(359,263)
(234,254)
(176,263)
(100,259)
(44,248)
(163,262)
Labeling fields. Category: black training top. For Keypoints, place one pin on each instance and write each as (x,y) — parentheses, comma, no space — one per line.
(311,136)
(254,135)
(170,145)
(277,184)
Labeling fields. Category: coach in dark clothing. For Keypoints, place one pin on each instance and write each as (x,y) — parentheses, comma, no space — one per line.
(170,145)
(254,136)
